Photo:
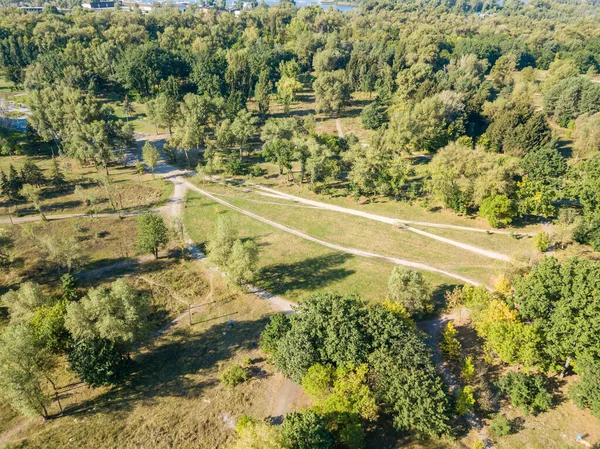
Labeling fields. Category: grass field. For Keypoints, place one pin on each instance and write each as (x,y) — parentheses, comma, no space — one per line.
(362,233)
(101,242)
(126,189)
(294,267)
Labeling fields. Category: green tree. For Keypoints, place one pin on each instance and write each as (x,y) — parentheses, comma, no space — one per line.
(542,241)
(585,392)
(117,313)
(527,391)
(34,195)
(306,430)
(273,332)
(450,344)
(370,117)
(6,244)
(153,233)
(163,111)
(465,400)
(221,241)
(242,262)
(243,128)
(98,361)
(127,107)
(262,92)
(287,87)
(498,210)
(409,288)
(25,368)
(23,302)
(48,323)
(332,91)
(64,252)
(150,155)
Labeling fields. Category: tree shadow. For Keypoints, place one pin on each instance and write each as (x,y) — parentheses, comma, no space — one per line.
(308,274)
(167,370)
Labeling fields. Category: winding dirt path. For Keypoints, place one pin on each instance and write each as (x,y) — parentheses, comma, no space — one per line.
(353,251)
(392,221)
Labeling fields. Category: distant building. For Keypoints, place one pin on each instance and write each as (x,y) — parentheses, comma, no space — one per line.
(99,5)
(146,7)
(37,9)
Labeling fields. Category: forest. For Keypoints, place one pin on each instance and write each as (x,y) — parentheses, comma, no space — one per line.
(483,112)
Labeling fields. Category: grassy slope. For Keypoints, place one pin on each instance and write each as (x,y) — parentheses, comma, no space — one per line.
(357,232)
(294,267)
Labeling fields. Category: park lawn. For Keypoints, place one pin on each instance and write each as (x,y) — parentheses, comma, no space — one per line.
(365,234)
(293,267)
(502,243)
(174,397)
(127,190)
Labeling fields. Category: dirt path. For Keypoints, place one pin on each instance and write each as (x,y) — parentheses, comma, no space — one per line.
(392,221)
(433,329)
(6,437)
(35,218)
(338,127)
(354,251)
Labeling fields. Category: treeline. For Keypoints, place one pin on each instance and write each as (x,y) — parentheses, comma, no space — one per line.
(463,91)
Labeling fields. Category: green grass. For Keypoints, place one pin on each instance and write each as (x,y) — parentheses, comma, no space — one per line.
(365,234)
(388,207)
(294,267)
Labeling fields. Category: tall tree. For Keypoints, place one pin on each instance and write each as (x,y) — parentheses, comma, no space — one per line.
(153,233)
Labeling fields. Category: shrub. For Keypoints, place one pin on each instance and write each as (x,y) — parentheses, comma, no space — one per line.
(306,430)
(500,425)
(450,344)
(527,391)
(233,376)
(542,241)
(468,371)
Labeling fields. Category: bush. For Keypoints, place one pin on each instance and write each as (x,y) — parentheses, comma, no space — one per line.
(273,332)
(233,376)
(468,371)
(542,241)
(527,391)
(500,425)
(450,344)
(306,430)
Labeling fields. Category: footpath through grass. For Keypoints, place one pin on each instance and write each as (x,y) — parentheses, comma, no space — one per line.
(361,233)
(294,267)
